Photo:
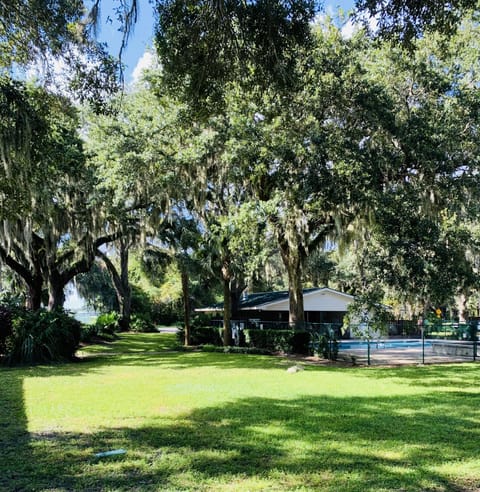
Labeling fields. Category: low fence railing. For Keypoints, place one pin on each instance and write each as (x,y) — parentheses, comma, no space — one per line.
(435,341)
(326,328)
(428,341)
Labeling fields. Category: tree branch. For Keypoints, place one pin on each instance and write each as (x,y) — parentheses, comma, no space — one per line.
(16,266)
(117,281)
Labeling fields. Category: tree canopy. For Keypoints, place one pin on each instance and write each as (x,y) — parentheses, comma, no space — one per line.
(407,20)
(270,131)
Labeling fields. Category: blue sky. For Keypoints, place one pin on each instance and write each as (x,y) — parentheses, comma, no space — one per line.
(142,36)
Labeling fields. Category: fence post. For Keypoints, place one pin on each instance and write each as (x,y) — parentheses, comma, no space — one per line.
(331,339)
(423,344)
(475,333)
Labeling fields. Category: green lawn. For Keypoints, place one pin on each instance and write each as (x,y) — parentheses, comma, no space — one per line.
(209,421)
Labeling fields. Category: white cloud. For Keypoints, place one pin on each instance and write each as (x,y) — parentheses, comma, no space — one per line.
(351,26)
(51,72)
(57,73)
(146,61)
(348,29)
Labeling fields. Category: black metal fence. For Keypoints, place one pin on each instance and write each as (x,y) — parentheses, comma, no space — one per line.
(336,328)
(395,342)
(322,336)
(435,341)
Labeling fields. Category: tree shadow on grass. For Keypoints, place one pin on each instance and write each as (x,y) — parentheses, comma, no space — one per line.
(318,443)
(131,343)
(14,436)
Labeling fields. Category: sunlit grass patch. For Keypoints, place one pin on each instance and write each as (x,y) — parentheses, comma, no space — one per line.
(209,421)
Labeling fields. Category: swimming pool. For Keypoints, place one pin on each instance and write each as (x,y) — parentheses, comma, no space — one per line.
(384,344)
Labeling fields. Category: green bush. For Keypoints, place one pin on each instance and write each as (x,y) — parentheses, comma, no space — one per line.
(152,311)
(300,342)
(5,326)
(201,319)
(235,350)
(107,323)
(266,341)
(88,333)
(104,328)
(203,335)
(325,347)
(180,335)
(288,341)
(167,313)
(42,336)
(10,307)
(142,324)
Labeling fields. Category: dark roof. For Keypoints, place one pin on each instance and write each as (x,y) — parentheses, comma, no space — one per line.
(259,299)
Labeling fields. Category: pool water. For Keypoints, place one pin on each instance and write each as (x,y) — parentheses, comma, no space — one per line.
(387,344)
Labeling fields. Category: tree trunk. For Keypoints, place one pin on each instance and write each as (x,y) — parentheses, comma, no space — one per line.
(462,308)
(293,260)
(31,273)
(34,293)
(237,286)
(186,307)
(296,314)
(125,291)
(36,281)
(121,284)
(125,307)
(227,304)
(56,292)
(58,279)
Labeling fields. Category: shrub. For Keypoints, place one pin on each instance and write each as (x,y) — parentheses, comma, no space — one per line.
(88,333)
(167,313)
(325,347)
(42,336)
(5,326)
(10,307)
(300,342)
(107,323)
(235,350)
(201,319)
(288,341)
(142,324)
(104,328)
(203,335)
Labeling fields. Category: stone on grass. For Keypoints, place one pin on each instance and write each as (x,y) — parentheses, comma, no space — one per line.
(294,369)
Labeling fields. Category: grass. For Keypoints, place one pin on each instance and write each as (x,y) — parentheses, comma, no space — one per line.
(134,343)
(210,421)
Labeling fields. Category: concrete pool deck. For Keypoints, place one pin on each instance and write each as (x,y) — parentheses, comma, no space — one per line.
(398,356)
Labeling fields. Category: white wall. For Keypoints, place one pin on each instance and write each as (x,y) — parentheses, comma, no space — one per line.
(323,300)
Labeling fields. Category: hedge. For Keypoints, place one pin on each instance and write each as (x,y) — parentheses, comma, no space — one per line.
(42,336)
(288,341)
(202,335)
